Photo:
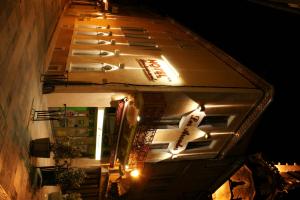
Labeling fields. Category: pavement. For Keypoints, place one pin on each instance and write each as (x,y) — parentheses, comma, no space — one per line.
(26,29)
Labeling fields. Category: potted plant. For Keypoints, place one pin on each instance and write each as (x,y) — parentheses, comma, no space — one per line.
(42,148)
(70,178)
(72,196)
(66,177)
(67,196)
(61,173)
(64,150)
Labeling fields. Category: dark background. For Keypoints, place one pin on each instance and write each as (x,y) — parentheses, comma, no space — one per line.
(264,39)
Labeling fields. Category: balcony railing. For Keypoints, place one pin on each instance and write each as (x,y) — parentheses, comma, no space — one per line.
(153,109)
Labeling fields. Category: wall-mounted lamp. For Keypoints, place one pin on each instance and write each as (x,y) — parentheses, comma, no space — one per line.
(168,68)
(135,173)
(207,136)
(201,107)
(113,42)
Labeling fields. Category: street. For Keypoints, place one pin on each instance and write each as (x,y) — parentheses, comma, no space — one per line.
(26,29)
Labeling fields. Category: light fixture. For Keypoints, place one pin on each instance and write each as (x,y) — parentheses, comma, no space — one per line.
(112,41)
(207,136)
(202,107)
(135,173)
(100,119)
(168,68)
(138,118)
(117,52)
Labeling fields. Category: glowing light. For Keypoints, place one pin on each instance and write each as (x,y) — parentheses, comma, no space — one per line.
(126,167)
(138,118)
(206,136)
(100,119)
(117,97)
(224,105)
(168,69)
(135,173)
(105,4)
(287,168)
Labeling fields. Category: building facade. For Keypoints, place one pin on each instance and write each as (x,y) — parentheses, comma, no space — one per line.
(141,89)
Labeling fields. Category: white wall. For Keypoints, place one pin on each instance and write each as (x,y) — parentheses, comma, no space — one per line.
(82,99)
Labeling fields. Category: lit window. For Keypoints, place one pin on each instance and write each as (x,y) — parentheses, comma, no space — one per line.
(90,67)
(87,32)
(94,33)
(90,42)
(84,52)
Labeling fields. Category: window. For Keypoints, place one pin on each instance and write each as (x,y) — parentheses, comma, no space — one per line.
(90,42)
(89,15)
(90,26)
(159,146)
(167,123)
(92,52)
(86,67)
(87,33)
(94,33)
(55,67)
(143,44)
(134,29)
(216,121)
(133,35)
(198,144)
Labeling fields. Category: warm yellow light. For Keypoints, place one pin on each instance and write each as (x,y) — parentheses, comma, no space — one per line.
(206,136)
(126,167)
(168,68)
(138,118)
(118,96)
(105,4)
(100,119)
(287,168)
(135,173)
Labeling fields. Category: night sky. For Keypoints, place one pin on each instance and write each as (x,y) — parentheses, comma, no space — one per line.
(267,41)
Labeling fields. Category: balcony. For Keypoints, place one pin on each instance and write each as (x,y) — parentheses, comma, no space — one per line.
(135,138)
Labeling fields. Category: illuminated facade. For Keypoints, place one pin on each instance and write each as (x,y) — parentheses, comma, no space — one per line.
(159,93)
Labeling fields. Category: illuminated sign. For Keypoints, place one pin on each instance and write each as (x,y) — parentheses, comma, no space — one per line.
(156,69)
(179,141)
(189,131)
(152,69)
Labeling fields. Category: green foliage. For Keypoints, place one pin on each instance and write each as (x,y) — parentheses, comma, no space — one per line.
(71,177)
(72,196)
(64,150)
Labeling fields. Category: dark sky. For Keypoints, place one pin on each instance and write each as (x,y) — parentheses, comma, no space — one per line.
(266,40)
